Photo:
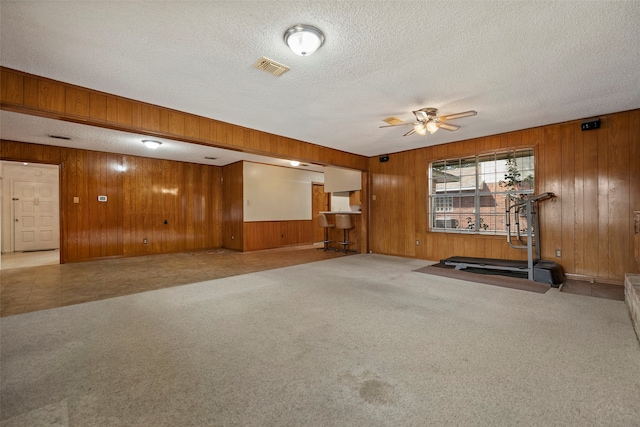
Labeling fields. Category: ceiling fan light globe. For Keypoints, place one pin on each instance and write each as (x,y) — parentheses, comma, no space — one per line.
(432,127)
(420,129)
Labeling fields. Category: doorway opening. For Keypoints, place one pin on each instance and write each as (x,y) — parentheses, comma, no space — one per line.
(29,214)
(320,202)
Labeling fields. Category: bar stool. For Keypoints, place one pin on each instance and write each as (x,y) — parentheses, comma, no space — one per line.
(323,222)
(344,222)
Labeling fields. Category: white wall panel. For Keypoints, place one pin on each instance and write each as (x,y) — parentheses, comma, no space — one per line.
(273,193)
(338,179)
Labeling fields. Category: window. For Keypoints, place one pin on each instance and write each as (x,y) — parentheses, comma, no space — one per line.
(469,194)
(443,204)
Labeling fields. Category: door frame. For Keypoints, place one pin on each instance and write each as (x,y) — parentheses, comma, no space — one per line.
(314,214)
(12,209)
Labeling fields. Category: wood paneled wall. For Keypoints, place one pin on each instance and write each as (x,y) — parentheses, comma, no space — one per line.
(393,202)
(274,234)
(233,206)
(141,194)
(594,174)
(29,94)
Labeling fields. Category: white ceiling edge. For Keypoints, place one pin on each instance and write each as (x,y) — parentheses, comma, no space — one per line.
(37,130)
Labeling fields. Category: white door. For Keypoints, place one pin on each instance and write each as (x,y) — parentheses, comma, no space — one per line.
(36,216)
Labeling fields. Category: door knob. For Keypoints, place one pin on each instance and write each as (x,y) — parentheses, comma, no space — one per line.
(17,220)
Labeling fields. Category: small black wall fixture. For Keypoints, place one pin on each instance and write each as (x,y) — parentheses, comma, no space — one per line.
(590,124)
(384,158)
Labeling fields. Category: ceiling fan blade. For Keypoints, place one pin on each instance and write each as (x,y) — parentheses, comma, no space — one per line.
(399,124)
(448,126)
(458,115)
(409,133)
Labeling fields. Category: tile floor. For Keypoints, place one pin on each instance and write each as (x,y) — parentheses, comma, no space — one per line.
(25,289)
(29,259)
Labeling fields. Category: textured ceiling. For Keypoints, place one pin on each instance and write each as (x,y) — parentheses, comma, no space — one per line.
(519,64)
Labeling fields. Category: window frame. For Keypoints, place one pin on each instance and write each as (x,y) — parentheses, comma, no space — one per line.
(476,218)
(447,207)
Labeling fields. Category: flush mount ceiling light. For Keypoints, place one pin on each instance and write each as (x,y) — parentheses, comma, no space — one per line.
(294,163)
(303,39)
(150,143)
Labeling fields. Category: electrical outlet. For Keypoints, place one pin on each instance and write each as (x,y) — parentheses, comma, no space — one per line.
(558,253)
(144,241)
(233,237)
(417,242)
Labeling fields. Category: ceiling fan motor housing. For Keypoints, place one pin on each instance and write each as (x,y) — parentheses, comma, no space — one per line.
(431,112)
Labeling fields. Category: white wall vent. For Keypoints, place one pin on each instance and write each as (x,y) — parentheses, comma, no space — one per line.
(271,66)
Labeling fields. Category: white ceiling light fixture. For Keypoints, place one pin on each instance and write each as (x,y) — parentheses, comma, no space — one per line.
(294,163)
(303,39)
(150,143)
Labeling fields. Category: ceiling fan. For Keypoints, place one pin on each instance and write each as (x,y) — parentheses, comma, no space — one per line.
(428,120)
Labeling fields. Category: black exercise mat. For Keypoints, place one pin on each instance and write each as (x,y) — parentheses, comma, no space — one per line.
(487,277)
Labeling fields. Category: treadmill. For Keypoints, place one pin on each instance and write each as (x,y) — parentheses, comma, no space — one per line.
(536,269)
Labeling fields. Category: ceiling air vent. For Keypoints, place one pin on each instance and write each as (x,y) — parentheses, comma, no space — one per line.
(393,120)
(66,138)
(211,158)
(271,66)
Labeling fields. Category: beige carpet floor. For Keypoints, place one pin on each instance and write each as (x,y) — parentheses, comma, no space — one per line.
(359,340)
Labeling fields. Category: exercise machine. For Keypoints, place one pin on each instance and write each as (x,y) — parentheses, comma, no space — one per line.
(535,268)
